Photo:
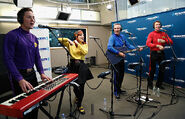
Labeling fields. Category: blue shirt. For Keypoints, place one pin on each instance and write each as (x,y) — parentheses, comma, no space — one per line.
(21,52)
(118,41)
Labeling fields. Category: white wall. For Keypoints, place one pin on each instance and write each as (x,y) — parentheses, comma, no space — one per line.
(145,7)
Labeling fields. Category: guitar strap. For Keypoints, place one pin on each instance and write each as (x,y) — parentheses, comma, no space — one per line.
(120,39)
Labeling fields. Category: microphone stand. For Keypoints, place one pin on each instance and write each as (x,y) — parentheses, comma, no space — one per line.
(173,61)
(139,102)
(111,112)
(59,106)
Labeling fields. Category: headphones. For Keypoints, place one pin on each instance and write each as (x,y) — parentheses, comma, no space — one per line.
(155,22)
(117,24)
(20,19)
(120,29)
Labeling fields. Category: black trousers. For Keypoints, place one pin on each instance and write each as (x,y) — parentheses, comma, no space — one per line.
(84,74)
(31,78)
(118,76)
(79,93)
(156,57)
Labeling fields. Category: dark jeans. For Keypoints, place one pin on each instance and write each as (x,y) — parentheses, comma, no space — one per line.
(118,76)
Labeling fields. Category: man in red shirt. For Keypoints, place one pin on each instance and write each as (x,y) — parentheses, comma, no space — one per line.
(156,41)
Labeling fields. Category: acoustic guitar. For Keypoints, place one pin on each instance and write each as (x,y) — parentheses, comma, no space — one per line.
(115,58)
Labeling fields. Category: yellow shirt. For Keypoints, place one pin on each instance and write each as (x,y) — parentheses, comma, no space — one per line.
(75,52)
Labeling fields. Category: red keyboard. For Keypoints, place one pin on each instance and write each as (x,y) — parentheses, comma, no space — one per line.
(24,103)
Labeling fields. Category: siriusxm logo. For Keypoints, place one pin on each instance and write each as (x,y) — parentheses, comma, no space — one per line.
(45,59)
(167,47)
(131,54)
(152,18)
(167,26)
(125,30)
(178,36)
(178,13)
(42,38)
(47,69)
(132,70)
(141,29)
(44,48)
(131,21)
(132,38)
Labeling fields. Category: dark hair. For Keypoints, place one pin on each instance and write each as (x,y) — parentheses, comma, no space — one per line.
(155,22)
(117,24)
(20,14)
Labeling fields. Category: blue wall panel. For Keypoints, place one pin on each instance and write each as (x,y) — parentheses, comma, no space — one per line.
(174,22)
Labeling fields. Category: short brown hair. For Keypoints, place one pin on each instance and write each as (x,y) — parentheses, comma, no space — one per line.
(20,14)
(158,22)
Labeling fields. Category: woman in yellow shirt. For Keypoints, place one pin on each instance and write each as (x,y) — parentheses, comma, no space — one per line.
(78,49)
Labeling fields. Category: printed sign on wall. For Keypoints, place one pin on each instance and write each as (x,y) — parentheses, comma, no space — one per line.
(44,48)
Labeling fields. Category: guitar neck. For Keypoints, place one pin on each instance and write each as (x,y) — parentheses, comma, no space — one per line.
(133,50)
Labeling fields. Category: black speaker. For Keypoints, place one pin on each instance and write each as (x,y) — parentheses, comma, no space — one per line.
(132,2)
(63,16)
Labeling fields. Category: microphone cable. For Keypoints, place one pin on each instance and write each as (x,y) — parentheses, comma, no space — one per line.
(155,113)
(94,88)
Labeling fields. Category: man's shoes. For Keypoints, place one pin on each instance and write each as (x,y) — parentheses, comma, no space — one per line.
(81,110)
(117,96)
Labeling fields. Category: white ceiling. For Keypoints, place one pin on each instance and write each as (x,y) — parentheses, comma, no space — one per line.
(57,2)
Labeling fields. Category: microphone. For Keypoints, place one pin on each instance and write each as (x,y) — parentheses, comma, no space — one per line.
(163,29)
(103,74)
(129,33)
(93,37)
(45,26)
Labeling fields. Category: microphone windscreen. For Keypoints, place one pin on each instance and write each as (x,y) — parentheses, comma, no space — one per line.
(40,26)
(103,74)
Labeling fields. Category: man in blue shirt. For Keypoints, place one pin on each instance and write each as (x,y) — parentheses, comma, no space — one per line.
(21,53)
(118,40)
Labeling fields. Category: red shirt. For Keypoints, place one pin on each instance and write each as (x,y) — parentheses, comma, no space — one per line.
(153,37)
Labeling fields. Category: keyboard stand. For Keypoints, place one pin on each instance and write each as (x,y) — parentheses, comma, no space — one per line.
(45,112)
(59,104)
